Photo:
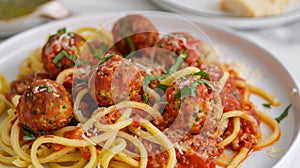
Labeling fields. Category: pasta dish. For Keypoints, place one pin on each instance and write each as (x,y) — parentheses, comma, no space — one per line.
(130,97)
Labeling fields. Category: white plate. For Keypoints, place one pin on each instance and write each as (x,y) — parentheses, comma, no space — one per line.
(233,48)
(209,10)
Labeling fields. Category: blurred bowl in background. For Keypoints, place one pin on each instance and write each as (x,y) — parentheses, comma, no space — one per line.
(18,15)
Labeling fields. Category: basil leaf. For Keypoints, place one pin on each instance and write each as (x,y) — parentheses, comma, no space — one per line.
(28,134)
(108,56)
(207,83)
(236,95)
(178,62)
(97,54)
(146,98)
(146,82)
(192,89)
(62,30)
(49,89)
(163,87)
(184,92)
(283,114)
(71,57)
(71,34)
(202,73)
(266,105)
(58,57)
(128,39)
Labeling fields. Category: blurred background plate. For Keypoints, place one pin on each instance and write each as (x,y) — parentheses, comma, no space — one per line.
(210,10)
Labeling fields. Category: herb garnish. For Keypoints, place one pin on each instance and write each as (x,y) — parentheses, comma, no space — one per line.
(102,60)
(97,54)
(283,114)
(63,54)
(28,133)
(235,94)
(62,30)
(163,87)
(59,31)
(202,73)
(185,91)
(192,89)
(128,39)
(49,89)
(71,34)
(178,62)
(146,82)
(266,105)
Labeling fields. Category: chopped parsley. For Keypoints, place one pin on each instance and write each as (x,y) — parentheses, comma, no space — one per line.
(283,114)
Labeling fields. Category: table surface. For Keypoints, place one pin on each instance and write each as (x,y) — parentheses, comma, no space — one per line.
(286,50)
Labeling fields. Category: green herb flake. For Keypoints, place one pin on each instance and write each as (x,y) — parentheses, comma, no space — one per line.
(108,56)
(49,89)
(128,39)
(28,134)
(185,91)
(62,30)
(71,57)
(163,87)
(58,57)
(71,34)
(178,62)
(202,73)
(283,114)
(64,107)
(235,94)
(98,54)
(266,105)
(192,89)
(146,98)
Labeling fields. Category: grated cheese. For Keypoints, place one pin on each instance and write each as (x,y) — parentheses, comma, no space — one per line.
(274,150)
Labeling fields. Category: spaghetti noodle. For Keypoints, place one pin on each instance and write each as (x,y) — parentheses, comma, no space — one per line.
(186,115)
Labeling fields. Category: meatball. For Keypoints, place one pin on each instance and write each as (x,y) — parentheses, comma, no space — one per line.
(118,79)
(45,106)
(180,42)
(19,86)
(134,32)
(190,104)
(61,51)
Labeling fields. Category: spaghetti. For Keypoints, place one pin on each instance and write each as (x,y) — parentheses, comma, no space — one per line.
(186,114)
